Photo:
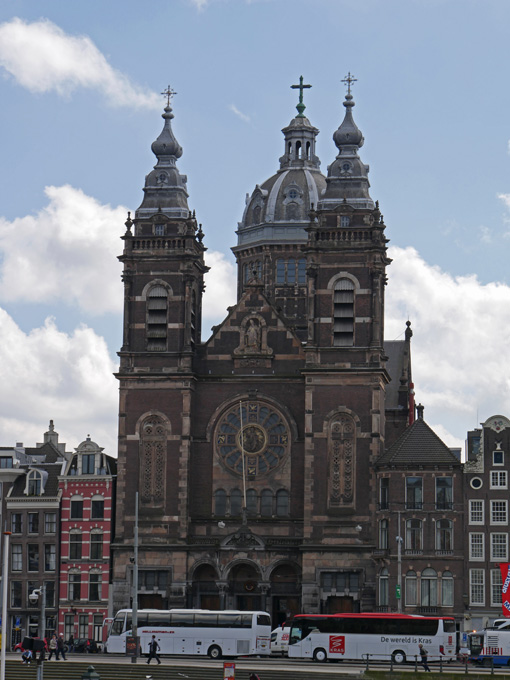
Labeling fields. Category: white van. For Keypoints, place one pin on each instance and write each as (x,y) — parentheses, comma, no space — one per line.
(280,641)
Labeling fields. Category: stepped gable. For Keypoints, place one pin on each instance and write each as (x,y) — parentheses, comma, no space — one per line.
(419,444)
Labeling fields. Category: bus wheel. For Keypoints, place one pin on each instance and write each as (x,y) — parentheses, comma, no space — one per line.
(214,652)
(320,655)
(398,656)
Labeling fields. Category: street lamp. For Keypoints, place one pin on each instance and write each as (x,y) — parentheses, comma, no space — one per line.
(34,597)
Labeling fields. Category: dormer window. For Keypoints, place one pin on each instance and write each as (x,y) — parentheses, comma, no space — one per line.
(345,221)
(35,483)
(159,229)
(88,463)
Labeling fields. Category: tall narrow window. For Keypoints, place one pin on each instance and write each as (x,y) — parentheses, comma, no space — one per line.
(411,589)
(251,502)
(302,270)
(75,546)
(96,545)
(282,503)
(291,271)
(74,586)
(87,463)
(94,587)
(414,493)
(444,493)
(496,588)
(429,588)
(383,588)
(413,534)
(153,468)
(157,306)
(384,493)
(477,587)
(444,534)
(383,534)
(343,314)
(447,589)
(280,271)
(236,502)
(266,503)
(220,502)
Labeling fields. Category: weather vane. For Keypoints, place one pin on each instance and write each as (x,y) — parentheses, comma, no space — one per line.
(168,93)
(349,79)
(300,107)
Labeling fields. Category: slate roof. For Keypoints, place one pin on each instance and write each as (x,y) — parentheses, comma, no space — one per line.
(418,445)
(51,486)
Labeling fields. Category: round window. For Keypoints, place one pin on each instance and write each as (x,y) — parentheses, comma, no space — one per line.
(476,483)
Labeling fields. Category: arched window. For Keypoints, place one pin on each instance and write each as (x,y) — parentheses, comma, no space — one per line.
(266,503)
(152,463)
(429,588)
(236,502)
(251,502)
(447,589)
(308,151)
(444,534)
(256,214)
(282,503)
(298,149)
(413,534)
(383,534)
(411,589)
(343,313)
(383,587)
(34,483)
(220,502)
(157,308)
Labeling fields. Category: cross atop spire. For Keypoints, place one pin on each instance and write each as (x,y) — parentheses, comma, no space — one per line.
(300,107)
(168,93)
(349,79)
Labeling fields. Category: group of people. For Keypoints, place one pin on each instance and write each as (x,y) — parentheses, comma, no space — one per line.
(55,647)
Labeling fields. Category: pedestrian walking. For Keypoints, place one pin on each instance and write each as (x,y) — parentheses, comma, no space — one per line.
(70,643)
(424,654)
(153,650)
(61,648)
(53,647)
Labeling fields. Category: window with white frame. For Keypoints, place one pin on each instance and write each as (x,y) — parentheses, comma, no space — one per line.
(429,588)
(499,512)
(476,546)
(34,485)
(499,547)
(383,534)
(411,589)
(498,457)
(496,586)
(383,587)
(476,587)
(476,512)
(16,558)
(499,479)
(447,589)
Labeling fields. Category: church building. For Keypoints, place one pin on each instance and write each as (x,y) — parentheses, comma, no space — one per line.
(253,451)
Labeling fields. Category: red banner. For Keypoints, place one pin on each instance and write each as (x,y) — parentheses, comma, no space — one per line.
(505,589)
(337,644)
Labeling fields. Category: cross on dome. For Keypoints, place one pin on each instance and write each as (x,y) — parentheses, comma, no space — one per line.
(300,107)
(168,93)
(349,79)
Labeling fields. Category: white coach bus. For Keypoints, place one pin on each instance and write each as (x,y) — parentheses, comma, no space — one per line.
(381,636)
(194,631)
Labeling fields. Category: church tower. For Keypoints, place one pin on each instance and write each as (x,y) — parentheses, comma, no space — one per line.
(163,274)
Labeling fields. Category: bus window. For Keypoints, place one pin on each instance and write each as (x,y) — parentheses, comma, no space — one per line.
(182,619)
(449,626)
(246,620)
(118,624)
(229,620)
(161,618)
(206,620)
(263,620)
(142,619)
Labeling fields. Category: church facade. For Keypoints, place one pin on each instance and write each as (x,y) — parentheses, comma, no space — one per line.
(253,452)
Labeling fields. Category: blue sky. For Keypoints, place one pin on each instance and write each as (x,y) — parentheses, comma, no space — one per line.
(79,86)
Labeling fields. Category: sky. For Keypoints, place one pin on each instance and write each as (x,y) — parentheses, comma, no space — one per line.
(80,88)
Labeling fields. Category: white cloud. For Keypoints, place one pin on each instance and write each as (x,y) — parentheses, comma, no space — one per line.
(220,292)
(239,114)
(47,374)
(67,252)
(43,58)
(200,4)
(461,364)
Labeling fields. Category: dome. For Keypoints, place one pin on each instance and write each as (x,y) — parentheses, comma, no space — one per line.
(278,210)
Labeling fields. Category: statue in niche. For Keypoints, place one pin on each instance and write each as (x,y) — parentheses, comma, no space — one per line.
(252,336)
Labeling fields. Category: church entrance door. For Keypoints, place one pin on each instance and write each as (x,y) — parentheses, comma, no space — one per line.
(341,605)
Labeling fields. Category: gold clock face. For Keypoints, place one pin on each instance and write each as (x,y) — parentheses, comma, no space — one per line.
(255,432)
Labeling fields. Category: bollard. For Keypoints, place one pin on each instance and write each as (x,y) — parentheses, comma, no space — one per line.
(415,663)
(492,665)
(367,664)
(90,674)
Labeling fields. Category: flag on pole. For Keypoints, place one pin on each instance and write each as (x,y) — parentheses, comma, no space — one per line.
(505,589)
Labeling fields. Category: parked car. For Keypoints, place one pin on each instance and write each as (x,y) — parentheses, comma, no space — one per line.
(280,641)
(84,645)
(19,649)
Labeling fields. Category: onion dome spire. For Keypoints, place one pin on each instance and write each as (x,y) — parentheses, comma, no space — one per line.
(165,188)
(347,175)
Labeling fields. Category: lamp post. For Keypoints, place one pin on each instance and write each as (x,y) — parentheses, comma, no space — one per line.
(34,597)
